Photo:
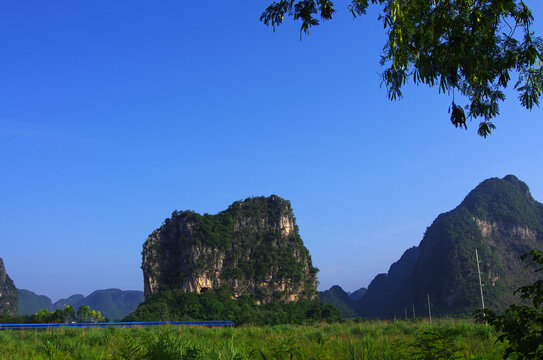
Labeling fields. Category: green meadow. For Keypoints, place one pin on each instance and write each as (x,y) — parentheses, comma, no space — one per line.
(443,339)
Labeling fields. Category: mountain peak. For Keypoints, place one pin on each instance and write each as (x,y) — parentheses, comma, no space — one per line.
(512,179)
(339,298)
(506,200)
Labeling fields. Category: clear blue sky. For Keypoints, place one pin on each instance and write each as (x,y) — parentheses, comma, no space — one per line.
(115,113)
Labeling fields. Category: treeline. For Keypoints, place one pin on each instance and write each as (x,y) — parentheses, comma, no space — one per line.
(174,305)
(66,315)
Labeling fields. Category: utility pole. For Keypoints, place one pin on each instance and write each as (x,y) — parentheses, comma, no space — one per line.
(413,311)
(405,313)
(429,311)
(480,282)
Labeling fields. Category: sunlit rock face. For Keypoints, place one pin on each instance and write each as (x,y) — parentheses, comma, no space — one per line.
(253,248)
(8,293)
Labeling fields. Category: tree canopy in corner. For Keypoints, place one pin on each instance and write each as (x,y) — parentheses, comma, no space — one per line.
(467,48)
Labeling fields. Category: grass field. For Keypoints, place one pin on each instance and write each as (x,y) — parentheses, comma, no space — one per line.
(444,339)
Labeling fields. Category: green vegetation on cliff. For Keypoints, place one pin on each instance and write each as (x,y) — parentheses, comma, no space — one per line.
(506,201)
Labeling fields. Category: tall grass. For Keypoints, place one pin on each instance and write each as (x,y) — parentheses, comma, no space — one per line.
(362,340)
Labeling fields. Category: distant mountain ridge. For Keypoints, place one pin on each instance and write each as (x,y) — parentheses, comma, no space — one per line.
(358,294)
(30,303)
(112,303)
(346,302)
(72,300)
(339,298)
(500,219)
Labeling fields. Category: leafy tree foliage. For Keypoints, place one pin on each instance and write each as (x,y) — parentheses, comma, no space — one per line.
(66,315)
(172,305)
(83,313)
(465,47)
(522,325)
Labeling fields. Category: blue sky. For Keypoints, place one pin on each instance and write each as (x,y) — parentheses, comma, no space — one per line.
(113,114)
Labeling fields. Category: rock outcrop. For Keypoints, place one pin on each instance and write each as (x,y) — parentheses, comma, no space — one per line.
(8,293)
(501,220)
(253,248)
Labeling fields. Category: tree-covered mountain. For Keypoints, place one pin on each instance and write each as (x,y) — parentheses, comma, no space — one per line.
(339,298)
(500,219)
(358,294)
(8,293)
(30,302)
(112,303)
(72,301)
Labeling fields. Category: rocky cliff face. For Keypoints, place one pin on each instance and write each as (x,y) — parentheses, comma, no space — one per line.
(253,248)
(501,220)
(8,293)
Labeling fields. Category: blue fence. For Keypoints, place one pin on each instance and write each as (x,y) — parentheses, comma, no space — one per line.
(114,324)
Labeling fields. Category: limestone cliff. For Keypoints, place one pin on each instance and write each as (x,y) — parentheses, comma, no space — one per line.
(8,293)
(253,248)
